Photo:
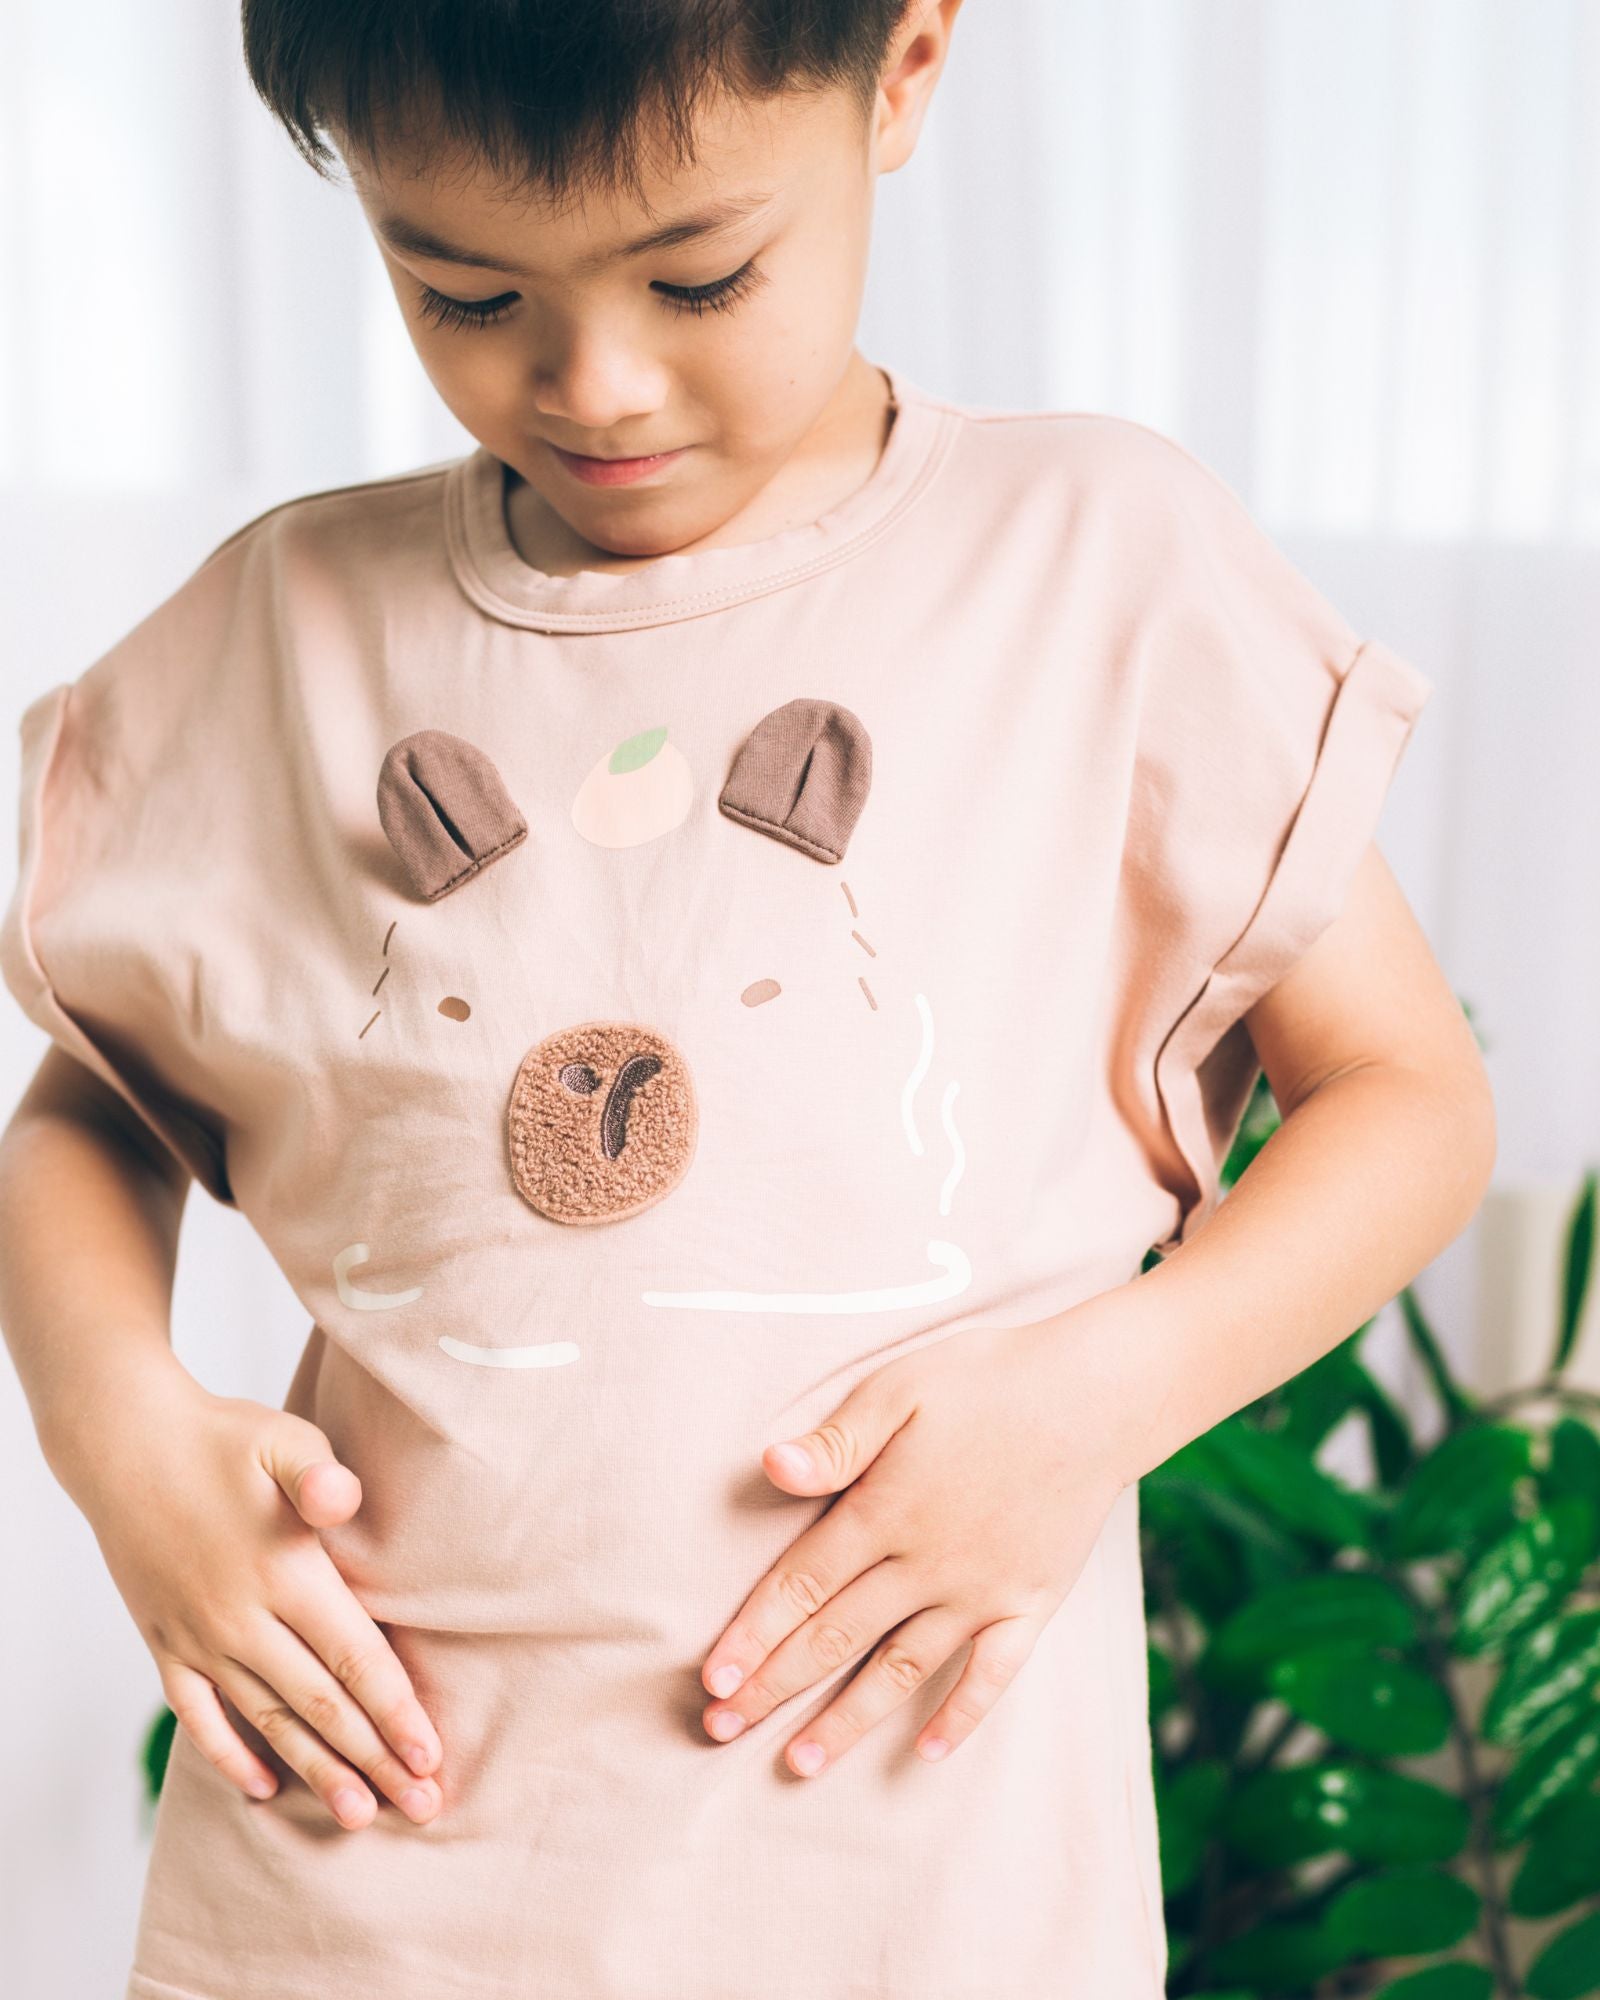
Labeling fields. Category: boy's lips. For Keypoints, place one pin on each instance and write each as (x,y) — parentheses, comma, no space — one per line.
(614,471)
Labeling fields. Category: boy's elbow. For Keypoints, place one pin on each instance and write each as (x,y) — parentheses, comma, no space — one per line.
(1469,1129)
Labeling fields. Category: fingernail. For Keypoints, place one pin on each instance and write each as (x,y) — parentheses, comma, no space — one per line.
(792,1459)
(260,1788)
(347,1805)
(933,1749)
(416,1803)
(726,1725)
(726,1679)
(417,1758)
(809,1758)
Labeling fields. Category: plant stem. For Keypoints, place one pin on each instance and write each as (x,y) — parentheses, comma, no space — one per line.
(1552,1388)
(1474,1791)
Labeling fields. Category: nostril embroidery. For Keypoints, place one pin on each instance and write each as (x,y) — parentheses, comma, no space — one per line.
(579,1078)
(632,1076)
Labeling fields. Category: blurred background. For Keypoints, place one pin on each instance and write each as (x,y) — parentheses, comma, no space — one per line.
(1346,251)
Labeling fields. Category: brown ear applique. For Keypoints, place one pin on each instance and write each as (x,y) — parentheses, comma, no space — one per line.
(445,810)
(802,776)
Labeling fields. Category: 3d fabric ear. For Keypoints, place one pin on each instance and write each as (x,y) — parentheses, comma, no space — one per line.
(802,776)
(445,810)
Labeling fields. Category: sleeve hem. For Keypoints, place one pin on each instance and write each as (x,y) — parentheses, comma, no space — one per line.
(1369,722)
(25,973)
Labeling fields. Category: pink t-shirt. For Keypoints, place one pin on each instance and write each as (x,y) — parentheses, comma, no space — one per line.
(631,1008)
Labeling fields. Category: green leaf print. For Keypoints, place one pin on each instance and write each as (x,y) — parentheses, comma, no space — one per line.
(636,750)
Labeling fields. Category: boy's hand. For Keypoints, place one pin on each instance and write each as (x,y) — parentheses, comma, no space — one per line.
(206,1512)
(976,1474)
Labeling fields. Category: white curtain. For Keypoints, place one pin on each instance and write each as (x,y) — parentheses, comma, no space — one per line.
(1347,251)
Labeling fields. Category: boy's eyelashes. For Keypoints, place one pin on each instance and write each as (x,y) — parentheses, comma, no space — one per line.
(720,295)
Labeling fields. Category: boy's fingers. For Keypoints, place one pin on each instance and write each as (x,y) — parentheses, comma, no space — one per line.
(198,1707)
(341,1633)
(998,1652)
(901,1662)
(309,1720)
(847,1625)
(301,1460)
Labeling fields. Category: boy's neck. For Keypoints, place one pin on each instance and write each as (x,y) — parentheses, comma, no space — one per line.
(835,458)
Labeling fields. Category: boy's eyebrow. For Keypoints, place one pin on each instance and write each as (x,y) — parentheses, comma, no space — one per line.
(403,234)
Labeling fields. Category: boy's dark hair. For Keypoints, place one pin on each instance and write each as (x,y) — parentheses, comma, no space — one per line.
(553,94)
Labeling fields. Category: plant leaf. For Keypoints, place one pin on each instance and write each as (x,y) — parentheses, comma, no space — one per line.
(1162,1681)
(1322,1395)
(1227,1511)
(1578,1264)
(156,1749)
(1569,1965)
(1525,1576)
(1441,1982)
(1393,1451)
(1289,1484)
(1278,1955)
(1554,1664)
(1547,1773)
(1454,1400)
(1574,1461)
(1282,1816)
(1256,1127)
(1187,1818)
(1561,1863)
(1462,1493)
(1403,1911)
(1379,1706)
(1302,1616)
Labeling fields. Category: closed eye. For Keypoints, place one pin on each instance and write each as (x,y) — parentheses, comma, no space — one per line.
(720,295)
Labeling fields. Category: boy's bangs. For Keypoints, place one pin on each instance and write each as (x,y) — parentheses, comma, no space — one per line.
(556,96)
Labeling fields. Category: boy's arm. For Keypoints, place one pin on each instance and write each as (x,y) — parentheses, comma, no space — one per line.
(205,1508)
(1385,1151)
(89,1218)
(975,1474)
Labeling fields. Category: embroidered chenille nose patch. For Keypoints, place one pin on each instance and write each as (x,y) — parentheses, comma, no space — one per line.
(602,1121)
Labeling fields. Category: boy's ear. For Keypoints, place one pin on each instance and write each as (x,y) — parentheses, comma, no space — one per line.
(802,776)
(445,810)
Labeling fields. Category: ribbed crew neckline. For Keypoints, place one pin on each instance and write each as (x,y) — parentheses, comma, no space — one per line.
(691,582)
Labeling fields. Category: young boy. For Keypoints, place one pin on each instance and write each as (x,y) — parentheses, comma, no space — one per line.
(709,936)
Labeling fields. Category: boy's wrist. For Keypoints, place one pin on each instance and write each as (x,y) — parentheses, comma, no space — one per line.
(1104,1349)
(90,1443)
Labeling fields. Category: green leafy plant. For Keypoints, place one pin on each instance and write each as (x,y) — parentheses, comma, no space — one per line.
(1376,1706)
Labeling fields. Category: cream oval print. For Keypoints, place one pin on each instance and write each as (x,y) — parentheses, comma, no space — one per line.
(635,792)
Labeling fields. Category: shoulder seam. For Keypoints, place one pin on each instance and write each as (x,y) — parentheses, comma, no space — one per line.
(1173,447)
(438,470)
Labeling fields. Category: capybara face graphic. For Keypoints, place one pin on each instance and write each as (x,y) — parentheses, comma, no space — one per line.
(602,1121)
(602,1115)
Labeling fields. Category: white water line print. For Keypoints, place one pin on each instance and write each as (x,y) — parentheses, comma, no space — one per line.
(947,1119)
(913,1082)
(887,1298)
(550,1354)
(908,1093)
(355,1296)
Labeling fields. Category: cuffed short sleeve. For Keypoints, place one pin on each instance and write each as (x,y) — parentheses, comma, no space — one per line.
(81,940)
(1268,734)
